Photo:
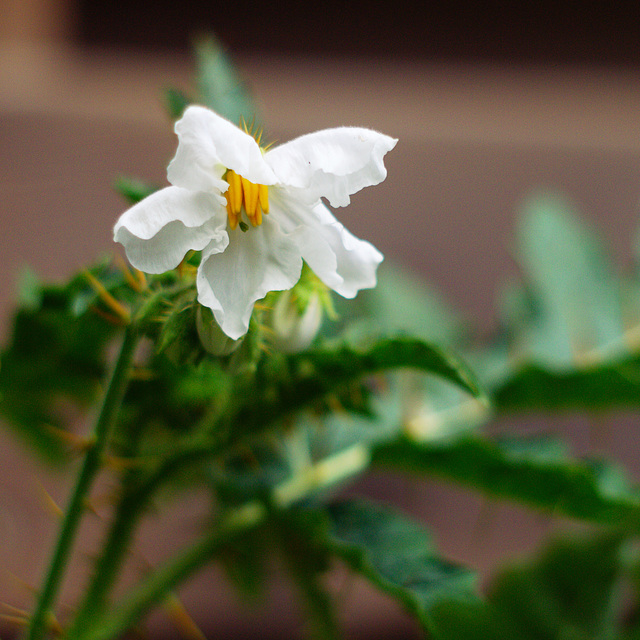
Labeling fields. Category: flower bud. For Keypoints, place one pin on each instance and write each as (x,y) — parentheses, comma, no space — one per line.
(294,328)
(213,339)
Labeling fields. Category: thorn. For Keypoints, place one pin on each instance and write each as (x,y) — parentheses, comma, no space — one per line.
(122,464)
(77,443)
(14,610)
(134,277)
(142,373)
(109,317)
(119,309)
(49,503)
(21,582)
(180,617)
(54,626)
(13,619)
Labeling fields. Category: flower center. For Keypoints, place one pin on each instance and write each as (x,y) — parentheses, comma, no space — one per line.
(244,195)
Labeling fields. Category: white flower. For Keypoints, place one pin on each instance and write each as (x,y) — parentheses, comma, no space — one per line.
(219,174)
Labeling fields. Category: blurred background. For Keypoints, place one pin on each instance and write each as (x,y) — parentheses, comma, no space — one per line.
(490,101)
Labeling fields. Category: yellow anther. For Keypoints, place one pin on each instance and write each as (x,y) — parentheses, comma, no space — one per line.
(256,221)
(244,194)
(234,194)
(233,217)
(263,196)
(250,191)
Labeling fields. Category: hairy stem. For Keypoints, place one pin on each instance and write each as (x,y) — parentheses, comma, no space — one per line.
(105,625)
(151,591)
(103,426)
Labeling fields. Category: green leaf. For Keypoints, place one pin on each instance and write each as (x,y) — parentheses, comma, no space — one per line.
(533,471)
(609,385)
(287,384)
(176,102)
(54,362)
(219,86)
(133,189)
(397,555)
(569,591)
(399,303)
(572,297)
(300,534)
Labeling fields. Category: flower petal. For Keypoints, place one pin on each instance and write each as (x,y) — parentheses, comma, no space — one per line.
(208,146)
(261,260)
(343,262)
(333,163)
(158,231)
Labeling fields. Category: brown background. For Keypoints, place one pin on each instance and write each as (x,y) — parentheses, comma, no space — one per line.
(488,106)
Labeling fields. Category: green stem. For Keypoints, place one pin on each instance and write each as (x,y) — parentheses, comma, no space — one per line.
(105,625)
(92,462)
(109,563)
(152,591)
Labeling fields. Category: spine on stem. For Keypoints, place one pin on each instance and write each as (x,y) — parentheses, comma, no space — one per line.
(99,438)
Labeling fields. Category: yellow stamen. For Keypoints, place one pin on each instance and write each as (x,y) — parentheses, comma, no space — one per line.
(233,218)
(234,196)
(245,195)
(250,192)
(263,196)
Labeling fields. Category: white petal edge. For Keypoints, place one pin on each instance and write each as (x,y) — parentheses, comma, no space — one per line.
(158,231)
(342,261)
(261,260)
(208,145)
(332,163)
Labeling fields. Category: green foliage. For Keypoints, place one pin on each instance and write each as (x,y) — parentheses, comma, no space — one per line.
(533,471)
(571,591)
(54,362)
(134,190)
(219,85)
(567,338)
(577,303)
(285,384)
(398,556)
(271,435)
(611,384)
(301,535)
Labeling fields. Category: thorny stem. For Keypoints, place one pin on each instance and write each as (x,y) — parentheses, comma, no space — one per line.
(103,426)
(107,565)
(110,624)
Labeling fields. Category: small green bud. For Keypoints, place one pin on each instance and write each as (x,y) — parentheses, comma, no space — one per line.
(213,339)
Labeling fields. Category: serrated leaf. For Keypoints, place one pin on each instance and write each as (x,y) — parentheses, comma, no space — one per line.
(397,555)
(609,385)
(532,471)
(288,383)
(301,536)
(569,591)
